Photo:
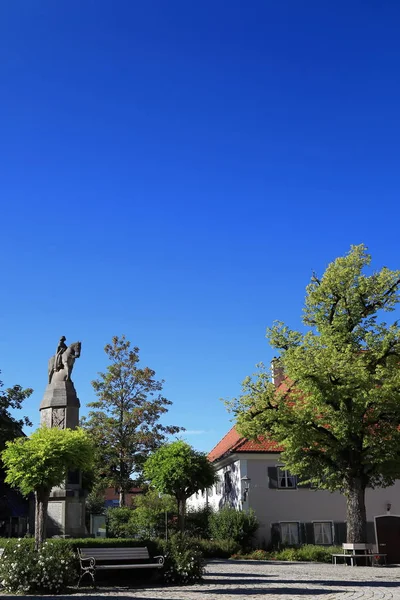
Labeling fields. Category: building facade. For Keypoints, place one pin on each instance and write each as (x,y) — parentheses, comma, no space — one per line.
(288,511)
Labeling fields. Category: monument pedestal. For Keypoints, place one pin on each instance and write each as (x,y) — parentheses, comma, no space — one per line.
(66,508)
(66,513)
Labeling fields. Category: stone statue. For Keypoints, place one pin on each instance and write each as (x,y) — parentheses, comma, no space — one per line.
(62,346)
(62,363)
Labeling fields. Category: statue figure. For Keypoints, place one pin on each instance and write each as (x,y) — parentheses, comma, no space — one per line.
(61,364)
(62,346)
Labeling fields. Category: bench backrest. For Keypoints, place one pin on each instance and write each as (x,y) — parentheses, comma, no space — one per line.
(353,547)
(115,553)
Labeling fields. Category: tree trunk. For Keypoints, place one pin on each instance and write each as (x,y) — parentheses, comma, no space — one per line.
(121,497)
(36,516)
(356,513)
(42,501)
(181,514)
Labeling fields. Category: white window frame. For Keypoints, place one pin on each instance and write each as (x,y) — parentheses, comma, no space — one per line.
(284,475)
(290,542)
(326,540)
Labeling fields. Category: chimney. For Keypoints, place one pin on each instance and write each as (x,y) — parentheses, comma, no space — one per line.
(277,371)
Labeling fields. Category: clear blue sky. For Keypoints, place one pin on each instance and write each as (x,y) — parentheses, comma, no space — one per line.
(175,170)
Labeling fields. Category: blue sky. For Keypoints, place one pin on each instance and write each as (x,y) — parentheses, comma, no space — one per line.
(175,171)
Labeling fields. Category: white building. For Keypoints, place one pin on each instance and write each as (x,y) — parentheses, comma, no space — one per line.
(289,512)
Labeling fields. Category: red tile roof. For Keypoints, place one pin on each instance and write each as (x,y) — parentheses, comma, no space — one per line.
(234,442)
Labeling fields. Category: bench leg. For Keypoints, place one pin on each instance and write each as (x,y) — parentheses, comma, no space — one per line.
(88,572)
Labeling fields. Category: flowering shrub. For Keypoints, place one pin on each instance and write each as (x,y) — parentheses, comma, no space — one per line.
(184,562)
(23,570)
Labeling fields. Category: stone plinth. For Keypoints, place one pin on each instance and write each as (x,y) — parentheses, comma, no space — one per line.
(60,406)
(66,509)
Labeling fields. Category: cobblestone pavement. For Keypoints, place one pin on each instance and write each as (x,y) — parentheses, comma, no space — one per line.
(233,580)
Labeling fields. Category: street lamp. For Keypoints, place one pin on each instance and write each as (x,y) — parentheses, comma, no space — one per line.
(246,487)
(165,516)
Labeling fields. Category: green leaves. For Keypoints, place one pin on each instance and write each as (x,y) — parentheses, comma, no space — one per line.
(125,422)
(42,460)
(12,398)
(179,470)
(338,412)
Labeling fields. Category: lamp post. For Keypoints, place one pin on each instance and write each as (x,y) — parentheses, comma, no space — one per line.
(246,487)
(160,495)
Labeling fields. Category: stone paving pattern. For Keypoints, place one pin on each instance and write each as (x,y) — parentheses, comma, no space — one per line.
(251,580)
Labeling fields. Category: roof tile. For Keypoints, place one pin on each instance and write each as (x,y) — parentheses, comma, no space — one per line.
(234,442)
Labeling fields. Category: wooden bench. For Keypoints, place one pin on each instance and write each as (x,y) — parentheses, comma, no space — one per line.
(94,559)
(358,552)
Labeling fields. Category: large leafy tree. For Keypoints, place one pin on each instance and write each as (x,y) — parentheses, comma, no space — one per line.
(125,422)
(11,399)
(41,462)
(337,413)
(180,471)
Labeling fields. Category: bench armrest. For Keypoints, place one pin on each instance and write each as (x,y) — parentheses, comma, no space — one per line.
(91,559)
(160,559)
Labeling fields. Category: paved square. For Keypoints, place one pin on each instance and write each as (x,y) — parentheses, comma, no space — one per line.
(251,580)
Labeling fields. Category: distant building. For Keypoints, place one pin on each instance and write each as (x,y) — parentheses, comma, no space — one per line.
(111,496)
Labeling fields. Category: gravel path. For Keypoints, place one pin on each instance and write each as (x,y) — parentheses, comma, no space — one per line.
(251,580)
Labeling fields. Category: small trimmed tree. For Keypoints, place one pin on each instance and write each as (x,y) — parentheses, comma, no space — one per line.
(179,470)
(40,462)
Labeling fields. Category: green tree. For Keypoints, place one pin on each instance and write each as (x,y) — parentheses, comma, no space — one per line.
(180,471)
(150,512)
(41,462)
(12,398)
(337,414)
(145,519)
(125,423)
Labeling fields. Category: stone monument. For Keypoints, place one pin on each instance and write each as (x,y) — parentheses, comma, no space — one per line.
(60,408)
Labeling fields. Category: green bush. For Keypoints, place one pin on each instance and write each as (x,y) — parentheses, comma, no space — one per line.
(119,522)
(218,548)
(307,553)
(255,555)
(287,554)
(184,561)
(197,522)
(51,570)
(144,519)
(235,524)
(317,553)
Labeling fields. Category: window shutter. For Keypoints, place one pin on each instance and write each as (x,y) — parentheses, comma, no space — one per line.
(273,477)
(371,532)
(275,535)
(302,533)
(340,533)
(309,527)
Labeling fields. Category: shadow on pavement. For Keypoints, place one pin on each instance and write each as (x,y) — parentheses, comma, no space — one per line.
(131,594)
(341,583)
(243,592)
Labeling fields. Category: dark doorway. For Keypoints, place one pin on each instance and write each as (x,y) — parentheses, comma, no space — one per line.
(388,537)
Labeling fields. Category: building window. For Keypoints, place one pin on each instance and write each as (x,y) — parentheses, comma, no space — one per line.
(227,482)
(323,533)
(290,533)
(218,487)
(286,480)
